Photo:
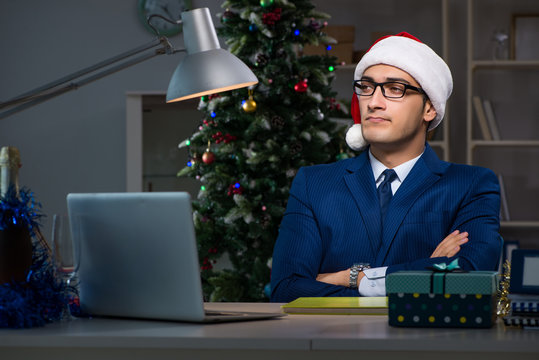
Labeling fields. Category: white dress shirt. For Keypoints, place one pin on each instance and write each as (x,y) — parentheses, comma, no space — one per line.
(374,281)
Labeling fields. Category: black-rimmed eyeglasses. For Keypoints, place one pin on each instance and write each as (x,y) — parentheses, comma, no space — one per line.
(390,89)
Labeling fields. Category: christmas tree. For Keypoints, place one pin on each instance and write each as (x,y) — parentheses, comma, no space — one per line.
(251,142)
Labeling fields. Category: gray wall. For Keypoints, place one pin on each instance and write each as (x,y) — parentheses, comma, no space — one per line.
(75,142)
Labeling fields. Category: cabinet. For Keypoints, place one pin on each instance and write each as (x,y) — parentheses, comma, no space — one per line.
(153,131)
(510,86)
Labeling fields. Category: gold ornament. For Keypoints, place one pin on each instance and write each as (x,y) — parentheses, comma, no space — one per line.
(249,105)
(504,303)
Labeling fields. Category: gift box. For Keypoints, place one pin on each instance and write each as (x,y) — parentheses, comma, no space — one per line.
(442,299)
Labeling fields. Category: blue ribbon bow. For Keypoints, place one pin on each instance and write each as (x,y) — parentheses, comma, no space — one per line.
(443,267)
(437,278)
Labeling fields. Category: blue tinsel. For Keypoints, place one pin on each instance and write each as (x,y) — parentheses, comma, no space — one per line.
(42,297)
(19,210)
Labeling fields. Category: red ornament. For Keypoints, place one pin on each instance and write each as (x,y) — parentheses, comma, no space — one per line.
(301,86)
(226,138)
(271,18)
(206,264)
(208,157)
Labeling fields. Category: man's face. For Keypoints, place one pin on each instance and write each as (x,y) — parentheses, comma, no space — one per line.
(393,123)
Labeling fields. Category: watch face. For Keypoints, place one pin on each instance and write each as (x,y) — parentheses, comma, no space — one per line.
(170,9)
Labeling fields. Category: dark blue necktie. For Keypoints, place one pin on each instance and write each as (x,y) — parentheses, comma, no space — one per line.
(384,192)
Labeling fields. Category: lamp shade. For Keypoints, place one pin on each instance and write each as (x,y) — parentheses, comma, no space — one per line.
(207,68)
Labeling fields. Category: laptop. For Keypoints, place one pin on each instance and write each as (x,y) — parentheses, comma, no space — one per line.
(138,258)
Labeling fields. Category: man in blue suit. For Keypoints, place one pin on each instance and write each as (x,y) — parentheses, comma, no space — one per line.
(349,224)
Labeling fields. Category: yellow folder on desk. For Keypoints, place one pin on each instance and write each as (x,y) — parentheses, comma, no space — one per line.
(338,305)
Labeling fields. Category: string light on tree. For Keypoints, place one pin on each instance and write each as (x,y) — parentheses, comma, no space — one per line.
(266,3)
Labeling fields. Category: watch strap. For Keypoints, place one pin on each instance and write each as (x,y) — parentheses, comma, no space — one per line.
(354,273)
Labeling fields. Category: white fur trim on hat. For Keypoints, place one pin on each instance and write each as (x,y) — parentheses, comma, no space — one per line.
(355,139)
(417,59)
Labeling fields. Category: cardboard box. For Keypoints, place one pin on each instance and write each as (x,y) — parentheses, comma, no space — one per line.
(341,33)
(343,52)
(442,299)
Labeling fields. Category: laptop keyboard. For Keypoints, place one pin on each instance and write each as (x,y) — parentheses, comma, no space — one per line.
(222,313)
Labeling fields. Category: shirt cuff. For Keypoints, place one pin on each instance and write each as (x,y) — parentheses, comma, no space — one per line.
(374,282)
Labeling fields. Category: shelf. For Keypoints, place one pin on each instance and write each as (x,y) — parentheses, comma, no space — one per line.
(500,82)
(519,224)
(159,176)
(507,64)
(507,143)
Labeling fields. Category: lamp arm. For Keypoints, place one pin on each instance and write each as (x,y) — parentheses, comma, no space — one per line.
(52,89)
(149,22)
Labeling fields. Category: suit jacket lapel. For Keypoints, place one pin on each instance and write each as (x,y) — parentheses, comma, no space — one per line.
(423,175)
(360,182)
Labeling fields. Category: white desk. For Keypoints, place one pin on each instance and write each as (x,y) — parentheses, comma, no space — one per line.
(312,337)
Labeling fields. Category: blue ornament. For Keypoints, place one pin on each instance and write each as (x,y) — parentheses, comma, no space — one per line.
(267,290)
(253,28)
(296,32)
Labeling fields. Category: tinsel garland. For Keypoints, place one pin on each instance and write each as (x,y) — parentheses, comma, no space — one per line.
(43,296)
(19,209)
(38,300)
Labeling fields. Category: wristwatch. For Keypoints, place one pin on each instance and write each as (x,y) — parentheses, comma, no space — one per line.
(354,272)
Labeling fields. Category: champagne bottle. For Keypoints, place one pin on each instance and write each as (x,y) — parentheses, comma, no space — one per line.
(15,239)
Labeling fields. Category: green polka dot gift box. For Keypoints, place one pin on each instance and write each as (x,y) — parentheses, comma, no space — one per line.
(442,299)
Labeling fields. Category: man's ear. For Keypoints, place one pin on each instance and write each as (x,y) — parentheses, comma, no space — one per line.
(429,112)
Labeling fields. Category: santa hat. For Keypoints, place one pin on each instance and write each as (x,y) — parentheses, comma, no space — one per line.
(407,53)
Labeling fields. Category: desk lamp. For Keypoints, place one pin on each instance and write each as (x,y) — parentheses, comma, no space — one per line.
(206,69)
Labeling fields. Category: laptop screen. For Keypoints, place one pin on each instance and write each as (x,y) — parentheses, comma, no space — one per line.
(138,255)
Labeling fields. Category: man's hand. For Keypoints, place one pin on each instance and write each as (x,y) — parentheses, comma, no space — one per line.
(450,246)
(341,278)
